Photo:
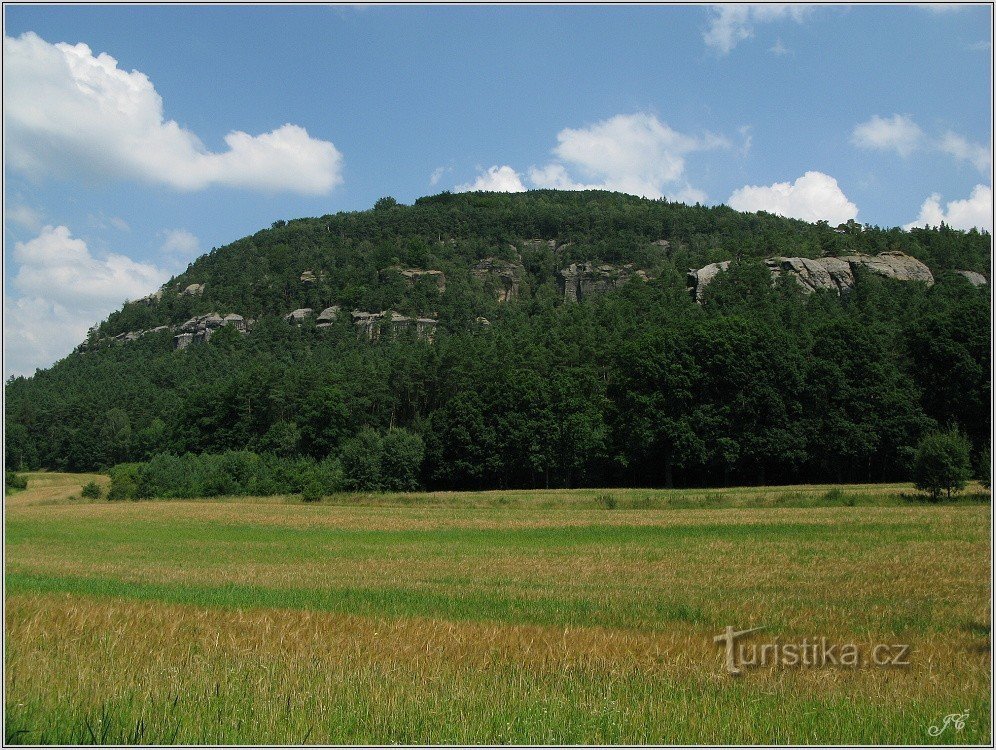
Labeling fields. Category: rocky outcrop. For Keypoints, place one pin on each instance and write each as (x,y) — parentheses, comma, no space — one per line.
(299,316)
(581,280)
(699,279)
(327,317)
(974,278)
(502,276)
(151,299)
(372,326)
(202,327)
(835,274)
(308,277)
(413,275)
(194,290)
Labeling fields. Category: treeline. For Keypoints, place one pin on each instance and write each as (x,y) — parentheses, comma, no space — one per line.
(370,462)
(636,387)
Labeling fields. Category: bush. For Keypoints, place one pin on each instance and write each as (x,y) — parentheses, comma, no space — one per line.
(942,464)
(312,492)
(12,481)
(91,491)
(124,481)
(986,469)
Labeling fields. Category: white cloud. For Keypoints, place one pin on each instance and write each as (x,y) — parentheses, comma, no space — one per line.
(731,24)
(812,197)
(898,133)
(636,154)
(496,179)
(24,216)
(180,243)
(974,211)
(961,148)
(437,175)
(778,48)
(67,111)
(63,290)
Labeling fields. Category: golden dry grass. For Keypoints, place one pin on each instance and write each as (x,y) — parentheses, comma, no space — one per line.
(245,621)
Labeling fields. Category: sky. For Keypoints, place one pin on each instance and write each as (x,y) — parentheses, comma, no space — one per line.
(138,138)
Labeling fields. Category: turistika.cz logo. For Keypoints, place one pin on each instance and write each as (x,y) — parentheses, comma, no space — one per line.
(807,653)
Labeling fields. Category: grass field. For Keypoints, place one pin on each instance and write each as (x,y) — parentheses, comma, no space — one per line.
(562,616)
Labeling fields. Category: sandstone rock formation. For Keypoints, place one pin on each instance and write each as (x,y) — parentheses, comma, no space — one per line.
(504,276)
(412,275)
(580,280)
(202,327)
(975,279)
(299,315)
(372,326)
(327,317)
(830,273)
(194,290)
(308,277)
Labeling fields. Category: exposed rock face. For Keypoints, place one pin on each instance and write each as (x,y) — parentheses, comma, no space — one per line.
(194,290)
(201,328)
(372,326)
(327,317)
(699,279)
(308,277)
(580,280)
(299,315)
(833,274)
(412,275)
(975,279)
(501,275)
(152,299)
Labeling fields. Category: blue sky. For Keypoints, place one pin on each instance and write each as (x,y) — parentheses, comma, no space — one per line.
(120,166)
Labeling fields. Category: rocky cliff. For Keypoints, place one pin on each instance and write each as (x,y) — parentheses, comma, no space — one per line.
(835,274)
(581,280)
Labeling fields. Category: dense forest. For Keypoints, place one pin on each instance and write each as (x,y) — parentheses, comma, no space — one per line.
(636,385)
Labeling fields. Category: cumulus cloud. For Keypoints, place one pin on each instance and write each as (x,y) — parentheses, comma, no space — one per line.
(731,24)
(974,211)
(180,243)
(981,157)
(636,154)
(898,133)
(70,112)
(496,179)
(63,290)
(812,197)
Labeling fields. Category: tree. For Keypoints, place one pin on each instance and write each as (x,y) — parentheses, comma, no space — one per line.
(942,463)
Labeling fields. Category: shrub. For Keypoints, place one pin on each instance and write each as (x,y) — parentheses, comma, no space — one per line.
(312,492)
(942,463)
(12,481)
(124,481)
(91,491)
(986,469)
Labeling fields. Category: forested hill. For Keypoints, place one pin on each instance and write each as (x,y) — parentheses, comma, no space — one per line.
(533,339)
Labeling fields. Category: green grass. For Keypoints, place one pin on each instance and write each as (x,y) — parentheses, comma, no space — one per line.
(551,617)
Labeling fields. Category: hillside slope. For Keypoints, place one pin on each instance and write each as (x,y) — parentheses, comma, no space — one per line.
(534,339)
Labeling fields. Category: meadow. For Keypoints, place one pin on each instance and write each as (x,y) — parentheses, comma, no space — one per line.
(561,616)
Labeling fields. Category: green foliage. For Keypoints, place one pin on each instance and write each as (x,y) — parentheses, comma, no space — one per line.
(91,491)
(986,469)
(637,386)
(124,481)
(942,463)
(13,481)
